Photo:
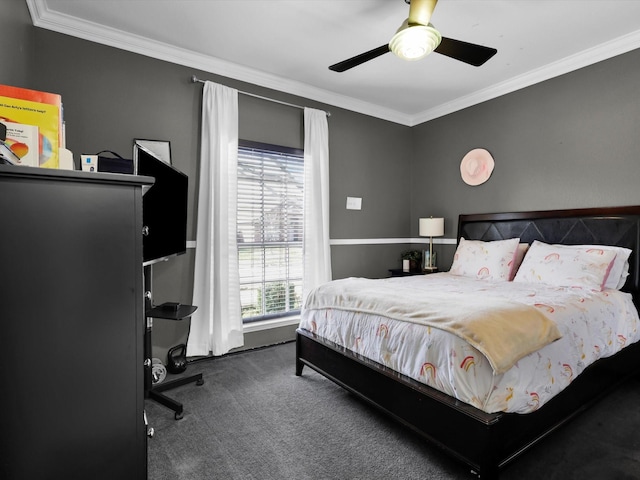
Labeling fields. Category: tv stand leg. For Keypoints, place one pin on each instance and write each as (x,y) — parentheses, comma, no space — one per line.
(156,393)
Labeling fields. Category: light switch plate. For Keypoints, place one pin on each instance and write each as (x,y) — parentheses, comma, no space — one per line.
(354,203)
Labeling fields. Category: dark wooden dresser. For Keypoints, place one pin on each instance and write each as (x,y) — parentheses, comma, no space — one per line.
(72,325)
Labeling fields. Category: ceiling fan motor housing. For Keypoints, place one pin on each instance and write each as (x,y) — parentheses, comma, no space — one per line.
(413,42)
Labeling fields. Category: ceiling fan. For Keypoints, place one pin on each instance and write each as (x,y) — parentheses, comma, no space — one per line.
(417,38)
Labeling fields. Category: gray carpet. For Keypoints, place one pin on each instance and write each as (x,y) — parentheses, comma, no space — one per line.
(254,419)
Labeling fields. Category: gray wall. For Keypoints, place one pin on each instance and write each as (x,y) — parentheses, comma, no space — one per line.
(15,35)
(569,142)
(369,159)
(112,96)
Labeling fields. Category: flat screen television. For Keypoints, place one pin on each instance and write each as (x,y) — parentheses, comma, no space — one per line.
(164,207)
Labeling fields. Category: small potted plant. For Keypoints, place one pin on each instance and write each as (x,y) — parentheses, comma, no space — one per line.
(415,259)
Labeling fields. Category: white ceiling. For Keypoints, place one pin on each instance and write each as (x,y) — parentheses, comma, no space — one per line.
(287,45)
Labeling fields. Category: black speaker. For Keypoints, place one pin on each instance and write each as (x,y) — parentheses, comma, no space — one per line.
(177,359)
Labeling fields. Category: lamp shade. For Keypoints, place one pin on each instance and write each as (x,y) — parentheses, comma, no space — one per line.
(432,227)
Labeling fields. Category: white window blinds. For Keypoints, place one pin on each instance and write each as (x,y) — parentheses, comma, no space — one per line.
(270,229)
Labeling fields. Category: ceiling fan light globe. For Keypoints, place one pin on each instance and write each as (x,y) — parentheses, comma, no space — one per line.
(415,42)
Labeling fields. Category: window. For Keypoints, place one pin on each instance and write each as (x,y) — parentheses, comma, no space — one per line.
(270,229)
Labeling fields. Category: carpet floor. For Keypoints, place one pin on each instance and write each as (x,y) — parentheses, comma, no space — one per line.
(254,419)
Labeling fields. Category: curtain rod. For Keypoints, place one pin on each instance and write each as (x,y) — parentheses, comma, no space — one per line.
(195,79)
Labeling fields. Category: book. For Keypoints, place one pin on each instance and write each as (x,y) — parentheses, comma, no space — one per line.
(35,96)
(42,115)
(50,137)
(22,140)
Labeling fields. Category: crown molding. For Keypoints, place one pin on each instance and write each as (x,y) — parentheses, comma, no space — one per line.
(42,17)
(569,64)
(68,25)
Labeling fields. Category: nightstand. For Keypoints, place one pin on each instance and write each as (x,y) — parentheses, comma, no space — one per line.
(398,272)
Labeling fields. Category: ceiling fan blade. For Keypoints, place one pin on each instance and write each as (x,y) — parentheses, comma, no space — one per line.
(470,53)
(359,59)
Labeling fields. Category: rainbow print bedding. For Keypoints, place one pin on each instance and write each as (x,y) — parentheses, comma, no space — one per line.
(591,325)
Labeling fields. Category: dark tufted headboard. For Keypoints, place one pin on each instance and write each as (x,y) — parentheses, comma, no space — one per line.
(618,226)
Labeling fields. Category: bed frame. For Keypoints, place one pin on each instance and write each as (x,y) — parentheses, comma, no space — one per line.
(488,442)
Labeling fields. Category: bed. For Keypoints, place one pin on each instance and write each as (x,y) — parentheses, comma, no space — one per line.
(479,433)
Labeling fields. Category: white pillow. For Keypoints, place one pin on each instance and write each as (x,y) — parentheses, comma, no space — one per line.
(566,265)
(620,268)
(485,260)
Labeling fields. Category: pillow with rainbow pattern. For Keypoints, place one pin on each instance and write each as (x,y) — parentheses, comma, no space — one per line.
(485,260)
(584,266)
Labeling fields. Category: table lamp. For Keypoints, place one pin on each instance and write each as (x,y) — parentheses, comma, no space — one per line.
(431,227)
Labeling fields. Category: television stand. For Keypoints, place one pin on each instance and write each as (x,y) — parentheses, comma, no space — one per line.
(154,392)
(168,311)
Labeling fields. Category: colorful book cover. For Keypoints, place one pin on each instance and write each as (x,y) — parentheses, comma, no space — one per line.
(22,140)
(43,115)
(35,96)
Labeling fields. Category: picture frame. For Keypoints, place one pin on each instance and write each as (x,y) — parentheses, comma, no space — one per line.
(161,148)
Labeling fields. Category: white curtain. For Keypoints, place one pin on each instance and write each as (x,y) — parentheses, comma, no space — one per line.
(216,326)
(317,253)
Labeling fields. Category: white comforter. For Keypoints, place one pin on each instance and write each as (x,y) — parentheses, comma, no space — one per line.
(593,325)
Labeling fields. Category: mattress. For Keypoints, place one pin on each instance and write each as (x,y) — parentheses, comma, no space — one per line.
(592,325)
